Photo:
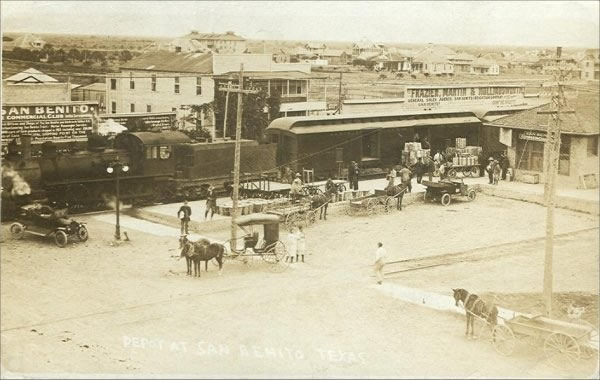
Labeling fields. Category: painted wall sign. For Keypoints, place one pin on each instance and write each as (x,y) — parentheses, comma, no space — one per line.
(48,122)
(143,122)
(533,136)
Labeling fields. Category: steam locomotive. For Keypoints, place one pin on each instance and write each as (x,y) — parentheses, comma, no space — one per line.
(163,166)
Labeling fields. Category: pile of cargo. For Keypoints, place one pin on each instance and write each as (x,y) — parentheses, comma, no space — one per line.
(463,155)
(412,151)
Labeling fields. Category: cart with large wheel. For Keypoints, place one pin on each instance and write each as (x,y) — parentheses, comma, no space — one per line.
(564,343)
(445,189)
(465,170)
(293,212)
(370,204)
(269,248)
(43,220)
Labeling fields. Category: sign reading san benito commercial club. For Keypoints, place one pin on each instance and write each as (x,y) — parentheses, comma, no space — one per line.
(443,96)
(48,121)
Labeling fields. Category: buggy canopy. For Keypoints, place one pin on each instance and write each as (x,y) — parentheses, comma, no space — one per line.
(256,219)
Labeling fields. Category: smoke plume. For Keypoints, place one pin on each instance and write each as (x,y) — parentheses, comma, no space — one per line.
(111,201)
(14,182)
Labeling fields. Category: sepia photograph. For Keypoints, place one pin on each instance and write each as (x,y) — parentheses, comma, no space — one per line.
(300,189)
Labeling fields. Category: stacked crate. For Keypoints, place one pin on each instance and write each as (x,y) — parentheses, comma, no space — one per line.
(466,156)
(412,151)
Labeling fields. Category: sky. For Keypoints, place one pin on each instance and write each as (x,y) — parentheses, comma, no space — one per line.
(520,23)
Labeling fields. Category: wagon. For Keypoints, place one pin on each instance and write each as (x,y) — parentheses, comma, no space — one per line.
(367,205)
(43,220)
(269,248)
(292,213)
(445,189)
(564,343)
(466,170)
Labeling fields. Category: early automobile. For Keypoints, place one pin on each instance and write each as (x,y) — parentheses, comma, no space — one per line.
(43,220)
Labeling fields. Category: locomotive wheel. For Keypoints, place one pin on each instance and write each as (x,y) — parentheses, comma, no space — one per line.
(61,239)
(503,340)
(471,195)
(17,230)
(446,199)
(562,351)
(82,233)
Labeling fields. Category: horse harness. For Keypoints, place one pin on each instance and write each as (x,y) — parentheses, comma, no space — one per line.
(477,299)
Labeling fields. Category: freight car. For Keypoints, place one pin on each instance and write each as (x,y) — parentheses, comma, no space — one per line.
(164,166)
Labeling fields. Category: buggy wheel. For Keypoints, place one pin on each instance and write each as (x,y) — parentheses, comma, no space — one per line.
(562,351)
(61,239)
(17,230)
(446,199)
(311,217)
(471,195)
(426,196)
(82,233)
(372,206)
(348,208)
(452,173)
(290,220)
(466,172)
(475,171)
(388,205)
(275,257)
(503,340)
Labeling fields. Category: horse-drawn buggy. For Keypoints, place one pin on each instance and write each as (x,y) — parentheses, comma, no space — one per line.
(269,248)
(43,220)
(301,209)
(381,201)
(444,190)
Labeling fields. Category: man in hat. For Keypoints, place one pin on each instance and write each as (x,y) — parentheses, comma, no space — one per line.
(296,189)
(211,202)
(356,175)
(490,170)
(184,214)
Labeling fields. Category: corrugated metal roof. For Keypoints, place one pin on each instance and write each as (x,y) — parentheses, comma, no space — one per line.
(157,138)
(169,61)
(583,122)
(357,122)
(93,87)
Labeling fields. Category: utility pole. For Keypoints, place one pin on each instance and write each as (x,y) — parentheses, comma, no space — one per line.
(340,95)
(551,154)
(238,136)
(226,108)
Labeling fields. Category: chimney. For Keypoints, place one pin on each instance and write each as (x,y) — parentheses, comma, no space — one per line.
(558,52)
(26,146)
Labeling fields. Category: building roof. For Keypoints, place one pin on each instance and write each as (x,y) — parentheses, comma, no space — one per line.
(187,44)
(170,61)
(430,56)
(314,45)
(583,122)
(156,138)
(229,36)
(30,75)
(332,53)
(365,44)
(92,87)
(483,62)
(357,122)
(462,57)
(257,75)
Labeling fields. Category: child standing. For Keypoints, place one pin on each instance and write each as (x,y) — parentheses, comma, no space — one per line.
(301,245)
(292,245)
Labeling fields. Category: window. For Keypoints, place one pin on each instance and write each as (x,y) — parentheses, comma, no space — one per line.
(564,156)
(131,82)
(153,85)
(530,155)
(131,107)
(148,108)
(174,109)
(198,85)
(113,84)
(113,107)
(176,89)
(151,152)
(592,146)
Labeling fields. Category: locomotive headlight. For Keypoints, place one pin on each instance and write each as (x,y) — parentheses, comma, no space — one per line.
(109,170)
(125,168)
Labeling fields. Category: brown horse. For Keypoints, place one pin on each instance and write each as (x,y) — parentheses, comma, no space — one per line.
(201,250)
(321,201)
(397,192)
(475,306)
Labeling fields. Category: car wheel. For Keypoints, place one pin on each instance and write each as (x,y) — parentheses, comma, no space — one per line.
(17,230)
(61,239)
(82,233)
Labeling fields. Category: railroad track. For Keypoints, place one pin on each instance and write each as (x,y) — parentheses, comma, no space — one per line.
(477,254)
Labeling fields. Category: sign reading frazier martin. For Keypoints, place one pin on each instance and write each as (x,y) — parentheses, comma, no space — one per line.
(48,121)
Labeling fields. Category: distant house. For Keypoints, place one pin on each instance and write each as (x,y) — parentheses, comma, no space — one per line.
(186,45)
(279,54)
(228,42)
(27,41)
(315,48)
(367,48)
(462,62)
(335,57)
(553,63)
(32,85)
(590,65)
(429,62)
(485,66)
(394,62)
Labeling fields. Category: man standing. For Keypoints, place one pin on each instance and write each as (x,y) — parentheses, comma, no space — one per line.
(356,176)
(405,175)
(380,254)
(184,214)
(419,169)
(296,189)
(211,202)
(351,174)
(481,161)
(504,165)
(490,170)
(391,177)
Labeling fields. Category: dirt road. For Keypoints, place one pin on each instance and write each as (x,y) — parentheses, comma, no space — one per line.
(129,308)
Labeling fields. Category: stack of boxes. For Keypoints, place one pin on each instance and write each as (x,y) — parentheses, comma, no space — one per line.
(464,155)
(412,151)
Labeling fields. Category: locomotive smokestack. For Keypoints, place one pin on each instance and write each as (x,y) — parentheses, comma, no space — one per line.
(558,51)
(26,146)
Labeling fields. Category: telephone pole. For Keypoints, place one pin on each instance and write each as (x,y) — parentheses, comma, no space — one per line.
(551,154)
(226,108)
(239,89)
(339,111)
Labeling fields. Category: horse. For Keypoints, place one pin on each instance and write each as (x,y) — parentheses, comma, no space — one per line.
(321,201)
(475,306)
(397,192)
(496,170)
(201,250)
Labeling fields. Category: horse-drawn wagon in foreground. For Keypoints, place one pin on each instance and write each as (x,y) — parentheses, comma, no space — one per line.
(564,343)
(444,190)
(292,213)
(381,201)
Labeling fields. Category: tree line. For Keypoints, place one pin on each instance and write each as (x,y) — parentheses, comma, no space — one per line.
(73,56)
